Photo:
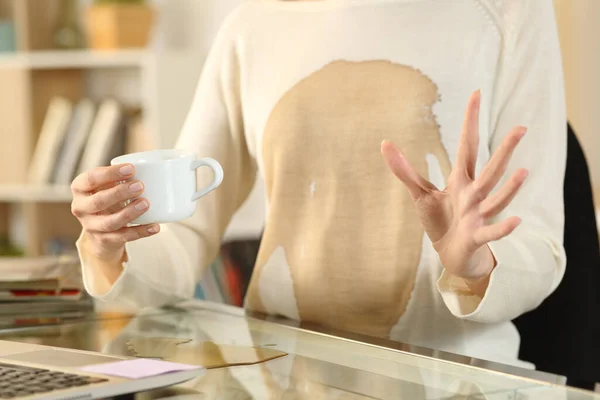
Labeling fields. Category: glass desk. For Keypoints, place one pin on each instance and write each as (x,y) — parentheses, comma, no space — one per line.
(314,363)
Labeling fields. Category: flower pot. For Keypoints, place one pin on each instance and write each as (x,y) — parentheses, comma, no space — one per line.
(7,36)
(119,26)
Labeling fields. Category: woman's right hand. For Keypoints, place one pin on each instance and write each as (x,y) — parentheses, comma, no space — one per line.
(100,204)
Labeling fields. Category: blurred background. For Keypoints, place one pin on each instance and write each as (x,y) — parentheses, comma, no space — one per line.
(83,80)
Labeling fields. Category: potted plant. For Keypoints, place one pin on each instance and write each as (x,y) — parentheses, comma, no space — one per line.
(118,24)
(7,32)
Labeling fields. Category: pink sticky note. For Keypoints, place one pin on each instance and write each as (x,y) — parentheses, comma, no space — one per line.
(137,368)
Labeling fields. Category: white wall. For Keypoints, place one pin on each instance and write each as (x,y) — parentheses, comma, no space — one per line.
(579,32)
(186,29)
(183,39)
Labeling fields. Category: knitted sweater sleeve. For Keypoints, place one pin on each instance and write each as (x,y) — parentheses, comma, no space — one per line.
(529,91)
(165,268)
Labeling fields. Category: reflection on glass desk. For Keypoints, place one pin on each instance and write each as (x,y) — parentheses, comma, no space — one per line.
(251,357)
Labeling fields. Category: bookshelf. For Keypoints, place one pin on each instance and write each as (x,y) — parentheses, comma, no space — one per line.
(159,81)
(30,77)
(70,59)
(13,193)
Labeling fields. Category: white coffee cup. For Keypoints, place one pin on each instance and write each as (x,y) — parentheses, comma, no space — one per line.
(169,178)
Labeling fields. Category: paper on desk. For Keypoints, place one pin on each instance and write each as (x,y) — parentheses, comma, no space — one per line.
(138,368)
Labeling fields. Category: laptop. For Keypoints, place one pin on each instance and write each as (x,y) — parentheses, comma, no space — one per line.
(31,371)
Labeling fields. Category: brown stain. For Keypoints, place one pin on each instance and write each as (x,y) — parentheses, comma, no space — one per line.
(206,354)
(354,244)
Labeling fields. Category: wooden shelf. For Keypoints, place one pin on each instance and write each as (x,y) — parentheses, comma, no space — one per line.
(35,216)
(35,266)
(67,59)
(35,194)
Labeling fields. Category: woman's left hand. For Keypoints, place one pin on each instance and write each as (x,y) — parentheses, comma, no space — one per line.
(456,218)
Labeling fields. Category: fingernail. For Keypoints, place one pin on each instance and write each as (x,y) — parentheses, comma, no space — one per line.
(153,229)
(522,132)
(136,187)
(126,170)
(141,206)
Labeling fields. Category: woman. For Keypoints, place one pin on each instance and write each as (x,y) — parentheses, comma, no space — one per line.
(323,99)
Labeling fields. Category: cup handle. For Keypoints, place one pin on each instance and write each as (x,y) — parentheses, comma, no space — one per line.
(217,171)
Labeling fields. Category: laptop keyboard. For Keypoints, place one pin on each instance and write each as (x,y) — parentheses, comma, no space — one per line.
(18,381)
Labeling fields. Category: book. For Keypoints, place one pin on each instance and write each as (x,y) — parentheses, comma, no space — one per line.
(40,295)
(219,274)
(36,284)
(138,138)
(34,289)
(22,321)
(102,144)
(65,268)
(210,287)
(234,282)
(45,307)
(52,134)
(74,143)
(227,278)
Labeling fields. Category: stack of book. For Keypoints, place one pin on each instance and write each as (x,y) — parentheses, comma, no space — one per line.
(43,290)
(226,280)
(221,283)
(78,136)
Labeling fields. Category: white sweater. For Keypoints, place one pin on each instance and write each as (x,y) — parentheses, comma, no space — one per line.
(303,93)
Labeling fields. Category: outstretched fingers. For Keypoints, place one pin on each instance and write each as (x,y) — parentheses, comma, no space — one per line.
(466,157)
(491,233)
(498,163)
(496,203)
